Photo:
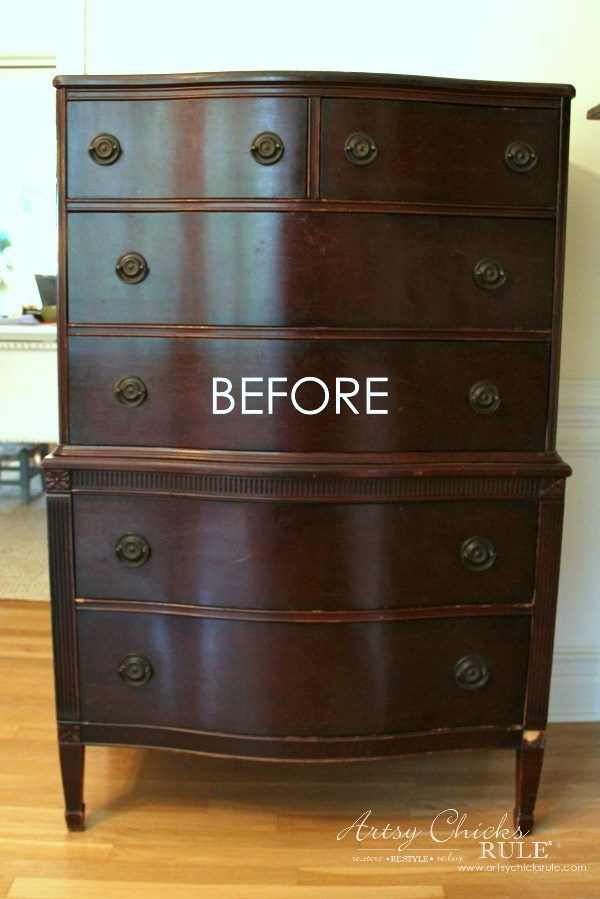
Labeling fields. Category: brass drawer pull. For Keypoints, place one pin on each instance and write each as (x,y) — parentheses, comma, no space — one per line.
(489,274)
(105,149)
(132,268)
(360,148)
(478,553)
(131,390)
(132,550)
(267,148)
(135,670)
(484,397)
(471,672)
(520,157)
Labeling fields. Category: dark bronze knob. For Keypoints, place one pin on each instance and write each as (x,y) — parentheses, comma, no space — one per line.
(267,148)
(105,149)
(489,274)
(520,157)
(360,149)
(132,268)
(484,397)
(135,670)
(132,550)
(478,553)
(471,672)
(131,391)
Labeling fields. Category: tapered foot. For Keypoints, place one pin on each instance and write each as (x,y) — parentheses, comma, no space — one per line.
(71,765)
(75,819)
(530,756)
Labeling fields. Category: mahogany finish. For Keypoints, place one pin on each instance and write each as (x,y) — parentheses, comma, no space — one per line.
(210,674)
(188,148)
(307,587)
(439,153)
(198,262)
(428,386)
(300,556)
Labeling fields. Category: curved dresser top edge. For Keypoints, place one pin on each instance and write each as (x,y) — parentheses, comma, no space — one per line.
(362,79)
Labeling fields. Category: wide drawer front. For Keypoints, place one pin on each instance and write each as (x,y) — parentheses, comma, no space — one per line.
(441,396)
(186,148)
(303,556)
(291,269)
(292,679)
(438,152)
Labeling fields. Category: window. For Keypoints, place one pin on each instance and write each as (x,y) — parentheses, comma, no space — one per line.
(28,218)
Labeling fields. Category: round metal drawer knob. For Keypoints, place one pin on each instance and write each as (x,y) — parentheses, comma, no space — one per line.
(478,553)
(132,268)
(105,149)
(489,274)
(267,148)
(484,397)
(131,391)
(132,550)
(520,157)
(135,670)
(360,148)
(471,672)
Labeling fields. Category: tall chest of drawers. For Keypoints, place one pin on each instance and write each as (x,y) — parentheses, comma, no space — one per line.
(307,504)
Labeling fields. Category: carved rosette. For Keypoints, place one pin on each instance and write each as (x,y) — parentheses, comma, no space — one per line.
(58,481)
(69,733)
(553,487)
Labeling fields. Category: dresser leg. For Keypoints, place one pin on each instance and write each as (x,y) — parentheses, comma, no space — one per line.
(71,765)
(530,756)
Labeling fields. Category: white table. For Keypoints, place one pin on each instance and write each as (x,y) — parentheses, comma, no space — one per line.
(28,384)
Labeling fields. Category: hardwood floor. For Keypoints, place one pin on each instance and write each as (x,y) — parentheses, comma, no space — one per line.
(172,825)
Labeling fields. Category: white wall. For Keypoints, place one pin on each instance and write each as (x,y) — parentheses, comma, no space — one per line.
(514,40)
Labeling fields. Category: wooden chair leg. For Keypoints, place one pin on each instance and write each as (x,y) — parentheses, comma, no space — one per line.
(72,757)
(530,756)
(44,450)
(24,476)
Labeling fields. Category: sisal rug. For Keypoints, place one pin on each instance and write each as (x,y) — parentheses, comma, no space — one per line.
(23,550)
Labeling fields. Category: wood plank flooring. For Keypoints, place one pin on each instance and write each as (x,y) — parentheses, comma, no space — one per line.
(170,825)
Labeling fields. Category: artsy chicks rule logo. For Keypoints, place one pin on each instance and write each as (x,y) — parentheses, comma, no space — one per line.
(449,829)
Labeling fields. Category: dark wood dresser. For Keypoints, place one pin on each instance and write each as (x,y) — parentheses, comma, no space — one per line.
(307,504)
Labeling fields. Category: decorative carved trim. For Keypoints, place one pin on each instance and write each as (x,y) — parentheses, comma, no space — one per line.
(62,589)
(553,487)
(301,748)
(58,481)
(324,488)
(543,622)
(390,207)
(69,733)
(316,616)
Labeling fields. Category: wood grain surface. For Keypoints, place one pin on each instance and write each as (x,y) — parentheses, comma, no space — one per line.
(311,269)
(173,824)
(428,386)
(273,555)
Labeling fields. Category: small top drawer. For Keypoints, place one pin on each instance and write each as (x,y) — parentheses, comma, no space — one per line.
(214,147)
(438,153)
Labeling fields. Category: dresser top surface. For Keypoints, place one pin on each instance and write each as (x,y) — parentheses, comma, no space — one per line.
(359,79)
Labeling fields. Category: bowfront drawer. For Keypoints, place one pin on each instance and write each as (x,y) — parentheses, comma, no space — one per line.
(252,147)
(291,679)
(278,555)
(439,153)
(308,395)
(291,269)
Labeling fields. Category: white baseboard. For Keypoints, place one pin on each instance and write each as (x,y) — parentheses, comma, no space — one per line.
(575,691)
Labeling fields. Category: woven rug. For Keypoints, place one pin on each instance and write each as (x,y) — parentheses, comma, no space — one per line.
(23,550)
